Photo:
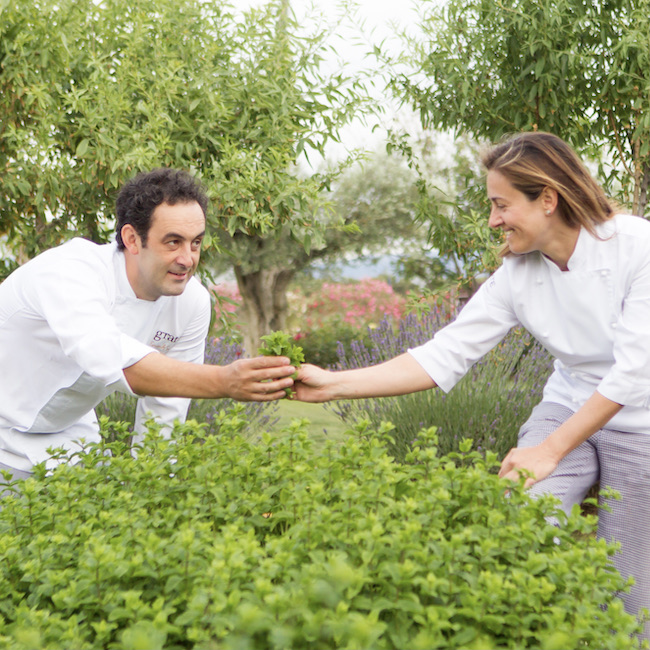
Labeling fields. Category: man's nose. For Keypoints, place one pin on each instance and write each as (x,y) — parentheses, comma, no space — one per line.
(185,257)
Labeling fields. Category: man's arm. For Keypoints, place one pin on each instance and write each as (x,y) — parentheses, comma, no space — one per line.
(399,376)
(542,459)
(261,379)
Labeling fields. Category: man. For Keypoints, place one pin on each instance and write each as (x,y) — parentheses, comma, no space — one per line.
(82,320)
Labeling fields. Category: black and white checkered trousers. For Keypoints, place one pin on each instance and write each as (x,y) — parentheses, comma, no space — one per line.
(615,459)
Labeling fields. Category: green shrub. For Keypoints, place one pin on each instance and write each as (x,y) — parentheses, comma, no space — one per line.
(322,345)
(216,542)
(488,405)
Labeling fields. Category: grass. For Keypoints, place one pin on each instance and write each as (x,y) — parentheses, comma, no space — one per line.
(324,424)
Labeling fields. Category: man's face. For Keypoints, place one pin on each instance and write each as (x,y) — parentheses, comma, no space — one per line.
(165,265)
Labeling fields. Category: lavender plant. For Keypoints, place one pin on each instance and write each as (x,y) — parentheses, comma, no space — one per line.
(219,351)
(488,405)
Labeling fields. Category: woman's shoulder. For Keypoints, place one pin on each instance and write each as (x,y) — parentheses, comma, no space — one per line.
(625,224)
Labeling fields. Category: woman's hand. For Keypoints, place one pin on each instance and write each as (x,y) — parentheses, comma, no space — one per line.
(539,461)
(314,384)
(542,460)
(398,376)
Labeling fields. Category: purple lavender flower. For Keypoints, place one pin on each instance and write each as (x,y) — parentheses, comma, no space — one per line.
(488,405)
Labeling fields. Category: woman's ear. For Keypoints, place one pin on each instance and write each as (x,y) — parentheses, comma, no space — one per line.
(549,200)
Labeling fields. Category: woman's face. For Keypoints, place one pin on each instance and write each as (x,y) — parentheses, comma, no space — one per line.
(526,224)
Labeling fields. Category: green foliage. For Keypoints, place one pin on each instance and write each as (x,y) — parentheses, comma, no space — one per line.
(91,93)
(577,69)
(452,207)
(6,268)
(219,543)
(379,197)
(322,344)
(118,407)
(281,344)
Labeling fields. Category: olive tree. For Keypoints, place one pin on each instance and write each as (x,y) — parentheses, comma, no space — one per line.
(92,92)
(370,210)
(578,69)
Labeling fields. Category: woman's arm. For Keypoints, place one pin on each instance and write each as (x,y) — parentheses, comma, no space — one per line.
(542,459)
(399,376)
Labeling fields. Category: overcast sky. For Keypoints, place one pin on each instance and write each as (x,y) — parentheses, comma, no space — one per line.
(373,21)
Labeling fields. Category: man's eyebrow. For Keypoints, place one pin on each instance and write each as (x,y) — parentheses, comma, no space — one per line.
(175,235)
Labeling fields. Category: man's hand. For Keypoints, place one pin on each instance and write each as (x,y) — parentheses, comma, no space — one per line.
(536,460)
(261,379)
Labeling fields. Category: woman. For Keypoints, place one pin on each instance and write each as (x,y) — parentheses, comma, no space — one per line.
(576,275)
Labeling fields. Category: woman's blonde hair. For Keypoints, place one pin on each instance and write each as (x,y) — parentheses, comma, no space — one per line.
(536,160)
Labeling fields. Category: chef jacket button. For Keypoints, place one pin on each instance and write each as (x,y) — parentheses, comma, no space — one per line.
(614,325)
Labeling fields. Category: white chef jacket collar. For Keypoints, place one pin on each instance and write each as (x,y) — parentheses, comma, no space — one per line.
(580,257)
(125,290)
(124,287)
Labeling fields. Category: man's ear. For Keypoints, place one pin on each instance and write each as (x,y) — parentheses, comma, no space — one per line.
(131,239)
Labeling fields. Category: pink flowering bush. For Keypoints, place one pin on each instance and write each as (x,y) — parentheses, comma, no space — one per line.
(336,314)
(333,314)
(358,304)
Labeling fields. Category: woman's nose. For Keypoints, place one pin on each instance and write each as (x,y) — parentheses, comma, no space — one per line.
(495,219)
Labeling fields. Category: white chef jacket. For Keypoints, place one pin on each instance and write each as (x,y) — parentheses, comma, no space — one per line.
(594,319)
(69,324)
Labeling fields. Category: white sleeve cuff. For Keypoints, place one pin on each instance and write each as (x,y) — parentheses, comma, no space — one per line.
(618,388)
(132,352)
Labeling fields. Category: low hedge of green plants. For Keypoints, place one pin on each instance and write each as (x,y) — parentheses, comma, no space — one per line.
(218,542)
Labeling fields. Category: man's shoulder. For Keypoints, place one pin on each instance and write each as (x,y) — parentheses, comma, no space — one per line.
(77,256)
(78,248)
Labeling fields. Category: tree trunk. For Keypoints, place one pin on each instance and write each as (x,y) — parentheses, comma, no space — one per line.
(264,308)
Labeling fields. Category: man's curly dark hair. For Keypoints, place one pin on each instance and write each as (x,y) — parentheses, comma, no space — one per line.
(140,196)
